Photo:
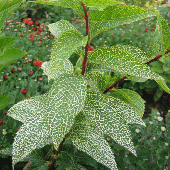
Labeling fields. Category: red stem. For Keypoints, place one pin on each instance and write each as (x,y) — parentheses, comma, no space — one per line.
(123,78)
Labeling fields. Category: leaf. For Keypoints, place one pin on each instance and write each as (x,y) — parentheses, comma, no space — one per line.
(6,151)
(73,4)
(92,142)
(43,115)
(4,101)
(111,116)
(10,56)
(121,61)
(116,15)
(60,27)
(6,7)
(163,85)
(62,50)
(100,4)
(132,98)
(67,67)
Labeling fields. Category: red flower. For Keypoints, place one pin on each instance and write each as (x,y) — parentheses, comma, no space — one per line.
(32,35)
(103,35)
(125,24)
(26,21)
(112,34)
(40,29)
(51,37)
(36,23)
(153,29)
(4,112)
(37,63)
(38,32)
(7,23)
(30,73)
(1,121)
(30,60)
(32,39)
(24,56)
(40,39)
(77,21)
(24,91)
(33,28)
(90,48)
(40,79)
(12,70)
(136,35)
(43,29)
(12,20)
(19,69)
(25,61)
(146,29)
(18,128)
(11,88)
(21,34)
(5,77)
(30,23)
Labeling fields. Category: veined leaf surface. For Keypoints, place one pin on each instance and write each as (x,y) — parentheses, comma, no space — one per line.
(116,15)
(91,141)
(62,50)
(123,62)
(47,118)
(111,116)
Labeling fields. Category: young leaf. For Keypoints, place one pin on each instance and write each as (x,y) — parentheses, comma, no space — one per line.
(120,60)
(62,50)
(43,115)
(116,15)
(92,142)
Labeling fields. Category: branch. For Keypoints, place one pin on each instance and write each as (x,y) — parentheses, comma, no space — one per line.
(87,45)
(123,78)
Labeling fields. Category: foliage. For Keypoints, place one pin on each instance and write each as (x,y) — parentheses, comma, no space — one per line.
(76,106)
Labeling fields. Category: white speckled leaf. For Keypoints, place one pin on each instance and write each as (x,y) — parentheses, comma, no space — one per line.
(67,67)
(120,60)
(91,141)
(58,28)
(116,15)
(47,118)
(161,38)
(111,116)
(64,46)
(132,98)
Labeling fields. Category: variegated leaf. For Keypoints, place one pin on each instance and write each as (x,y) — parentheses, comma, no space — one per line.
(111,116)
(64,46)
(91,141)
(120,60)
(47,118)
(116,15)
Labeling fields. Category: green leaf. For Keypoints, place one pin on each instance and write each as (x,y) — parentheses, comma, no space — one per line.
(111,116)
(4,101)
(73,4)
(6,43)
(163,85)
(100,4)
(92,142)
(6,7)
(10,56)
(64,46)
(116,15)
(132,98)
(6,151)
(43,115)
(122,61)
